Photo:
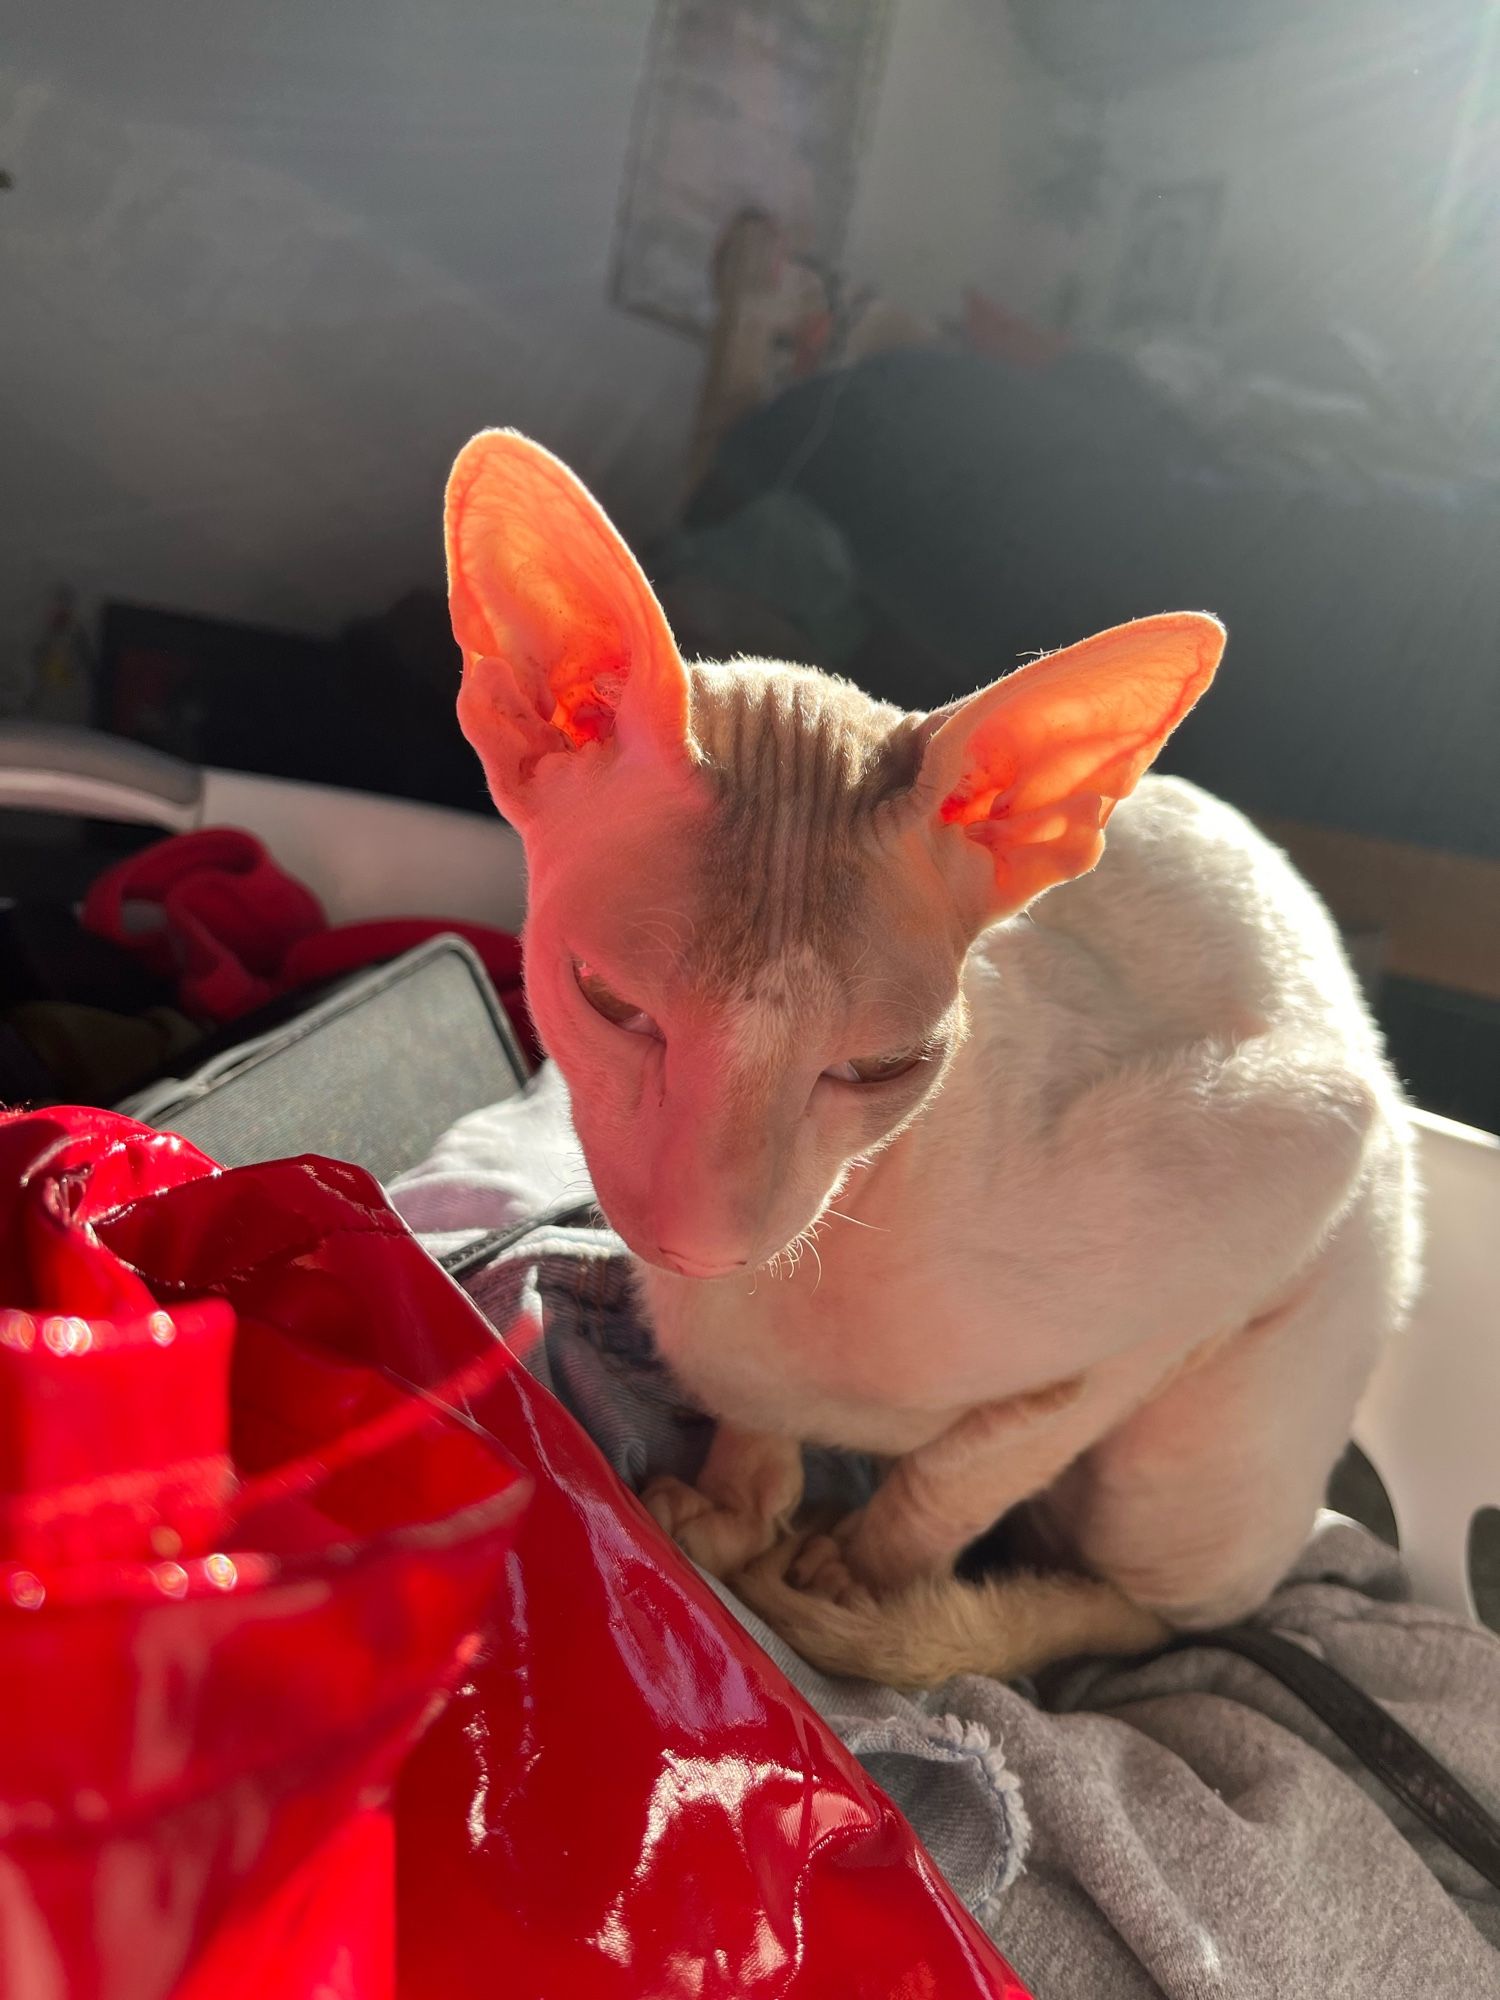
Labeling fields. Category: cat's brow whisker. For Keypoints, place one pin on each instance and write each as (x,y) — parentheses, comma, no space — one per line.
(859,964)
(872,986)
(667,927)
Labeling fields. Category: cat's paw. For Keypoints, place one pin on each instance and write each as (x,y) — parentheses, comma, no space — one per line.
(845,1631)
(810,1566)
(718,1539)
(820,1567)
(882,1554)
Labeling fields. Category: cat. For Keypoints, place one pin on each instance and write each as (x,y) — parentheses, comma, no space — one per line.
(1062,1178)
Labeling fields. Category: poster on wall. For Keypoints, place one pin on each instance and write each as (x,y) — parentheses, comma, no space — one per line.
(746,104)
(1169,248)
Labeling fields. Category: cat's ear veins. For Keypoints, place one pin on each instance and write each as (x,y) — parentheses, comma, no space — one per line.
(564,644)
(1022,776)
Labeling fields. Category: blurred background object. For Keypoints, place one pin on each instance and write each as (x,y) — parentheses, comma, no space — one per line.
(906,337)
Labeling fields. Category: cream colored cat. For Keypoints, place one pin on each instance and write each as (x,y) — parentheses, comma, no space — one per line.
(1100,1175)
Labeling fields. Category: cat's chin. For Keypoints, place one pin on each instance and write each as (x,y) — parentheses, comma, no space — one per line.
(680,1263)
(708,1270)
(707,1273)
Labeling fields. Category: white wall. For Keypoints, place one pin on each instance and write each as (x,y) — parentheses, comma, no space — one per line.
(1338,143)
(959,134)
(264,266)
(1341,140)
(267,262)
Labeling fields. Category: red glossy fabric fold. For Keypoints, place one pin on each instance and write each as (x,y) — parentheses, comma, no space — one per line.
(238,1572)
(208,1782)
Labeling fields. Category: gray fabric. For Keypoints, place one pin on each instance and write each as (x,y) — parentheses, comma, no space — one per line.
(1183,1828)
(1187,1829)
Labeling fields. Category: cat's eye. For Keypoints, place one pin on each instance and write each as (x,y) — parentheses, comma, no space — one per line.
(610,1005)
(876,1069)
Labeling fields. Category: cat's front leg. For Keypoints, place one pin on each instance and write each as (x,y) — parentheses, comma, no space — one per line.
(878,1597)
(743,1502)
(937,1499)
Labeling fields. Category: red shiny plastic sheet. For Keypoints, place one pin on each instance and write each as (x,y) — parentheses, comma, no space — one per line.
(275,1507)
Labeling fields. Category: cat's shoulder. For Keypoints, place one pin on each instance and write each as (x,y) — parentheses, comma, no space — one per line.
(1198,915)
(1172,838)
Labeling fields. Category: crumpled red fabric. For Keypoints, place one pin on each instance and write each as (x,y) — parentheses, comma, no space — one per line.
(213,910)
(239,1571)
(301,1699)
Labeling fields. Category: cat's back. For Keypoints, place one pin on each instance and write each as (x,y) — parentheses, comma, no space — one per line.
(1193,924)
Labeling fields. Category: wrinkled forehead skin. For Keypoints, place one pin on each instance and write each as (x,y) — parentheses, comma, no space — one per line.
(779,884)
(672,913)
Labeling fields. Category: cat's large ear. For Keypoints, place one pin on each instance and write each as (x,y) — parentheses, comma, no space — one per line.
(565,647)
(1024,774)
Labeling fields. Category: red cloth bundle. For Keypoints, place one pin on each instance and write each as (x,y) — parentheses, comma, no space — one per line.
(214,910)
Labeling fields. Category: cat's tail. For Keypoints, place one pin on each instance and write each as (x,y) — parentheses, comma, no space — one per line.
(1004,1626)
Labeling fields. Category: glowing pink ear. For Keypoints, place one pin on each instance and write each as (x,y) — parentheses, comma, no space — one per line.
(564,643)
(1029,770)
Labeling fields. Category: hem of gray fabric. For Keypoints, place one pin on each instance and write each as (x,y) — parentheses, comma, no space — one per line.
(949,1739)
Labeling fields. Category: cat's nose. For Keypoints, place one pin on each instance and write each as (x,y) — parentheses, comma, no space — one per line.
(698,1267)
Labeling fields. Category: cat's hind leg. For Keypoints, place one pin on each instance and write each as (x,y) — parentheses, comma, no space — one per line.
(1201,1500)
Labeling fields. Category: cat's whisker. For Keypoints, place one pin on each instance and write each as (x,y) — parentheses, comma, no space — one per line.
(811,1244)
(838,1215)
(793,1255)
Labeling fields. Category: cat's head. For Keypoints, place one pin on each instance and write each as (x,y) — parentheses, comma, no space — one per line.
(753,889)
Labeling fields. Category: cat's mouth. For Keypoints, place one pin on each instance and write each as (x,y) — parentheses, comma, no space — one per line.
(694,1267)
